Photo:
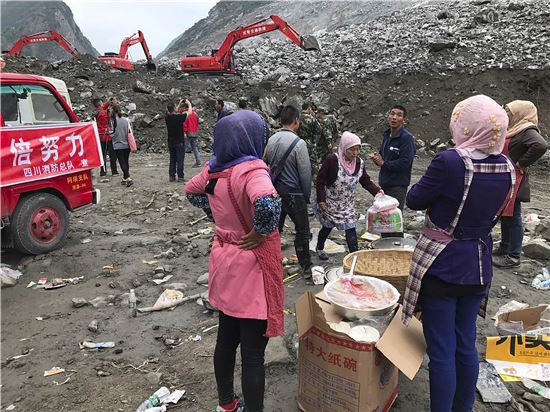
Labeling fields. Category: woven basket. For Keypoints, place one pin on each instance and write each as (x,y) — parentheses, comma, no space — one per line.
(391,265)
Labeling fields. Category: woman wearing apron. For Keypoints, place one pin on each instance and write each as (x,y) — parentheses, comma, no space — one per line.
(336,183)
(463,191)
(524,146)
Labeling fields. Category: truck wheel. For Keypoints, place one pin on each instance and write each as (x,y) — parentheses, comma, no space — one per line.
(40,223)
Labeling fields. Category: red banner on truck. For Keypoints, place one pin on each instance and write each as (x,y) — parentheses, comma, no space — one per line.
(41,152)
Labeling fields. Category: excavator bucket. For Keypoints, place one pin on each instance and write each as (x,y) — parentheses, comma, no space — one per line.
(151,67)
(310,43)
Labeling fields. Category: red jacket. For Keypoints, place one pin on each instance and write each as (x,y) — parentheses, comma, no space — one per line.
(191,124)
(102,120)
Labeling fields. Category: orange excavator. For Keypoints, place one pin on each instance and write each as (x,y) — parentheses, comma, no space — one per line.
(121,61)
(220,61)
(44,36)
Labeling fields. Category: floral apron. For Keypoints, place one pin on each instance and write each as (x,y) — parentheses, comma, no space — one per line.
(340,200)
(433,240)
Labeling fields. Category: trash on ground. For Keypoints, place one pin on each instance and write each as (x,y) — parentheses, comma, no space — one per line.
(537,388)
(170,253)
(154,400)
(331,247)
(132,303)
(150,262)
(57,283)
(168,299)
(25,353)
(318,275)
(196,338)
(542,280)
(163,280)
(98,301)
(509,307)
(31,284)
(11,407)
(9,277)
(370,237)
(210,328)
(108,267)
(62,383)
(291,277)
(87,240)
(96,345)
(490,386)
(54,371)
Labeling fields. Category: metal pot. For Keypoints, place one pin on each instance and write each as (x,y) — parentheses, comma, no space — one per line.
(394,243)
(358,314)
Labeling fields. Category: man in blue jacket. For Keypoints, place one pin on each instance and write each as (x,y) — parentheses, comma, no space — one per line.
(396,156)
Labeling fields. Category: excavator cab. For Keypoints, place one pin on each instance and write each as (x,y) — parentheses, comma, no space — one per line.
(310,43)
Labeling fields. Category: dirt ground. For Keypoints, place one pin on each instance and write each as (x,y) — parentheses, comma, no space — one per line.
(125,230)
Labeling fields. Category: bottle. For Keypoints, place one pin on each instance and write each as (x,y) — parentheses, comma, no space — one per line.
(154,400)
(132,303)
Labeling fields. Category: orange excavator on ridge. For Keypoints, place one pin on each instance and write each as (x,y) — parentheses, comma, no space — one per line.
(121,61)
(220,61)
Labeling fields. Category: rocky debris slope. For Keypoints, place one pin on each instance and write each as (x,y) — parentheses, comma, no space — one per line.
(308,17)
(20,18)
(439,37)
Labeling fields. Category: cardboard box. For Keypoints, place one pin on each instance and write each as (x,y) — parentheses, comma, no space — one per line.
(338,374)
(520,355)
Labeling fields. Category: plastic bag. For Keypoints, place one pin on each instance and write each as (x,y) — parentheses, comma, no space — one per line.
(361,292)
(386,221)
(384,202)
(131,139)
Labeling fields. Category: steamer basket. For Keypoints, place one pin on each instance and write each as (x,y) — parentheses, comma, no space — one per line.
(391,265)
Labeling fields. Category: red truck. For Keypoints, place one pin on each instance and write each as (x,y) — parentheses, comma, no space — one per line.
(46,159)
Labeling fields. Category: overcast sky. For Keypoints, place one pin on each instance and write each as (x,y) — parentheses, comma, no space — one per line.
(106,23)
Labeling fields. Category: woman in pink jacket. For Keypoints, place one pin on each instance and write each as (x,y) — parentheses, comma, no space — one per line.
(245,270)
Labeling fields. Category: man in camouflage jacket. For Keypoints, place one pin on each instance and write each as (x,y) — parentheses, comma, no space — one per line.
(310,131)
(329,134)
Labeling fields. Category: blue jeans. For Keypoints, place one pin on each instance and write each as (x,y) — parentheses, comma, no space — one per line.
(177,155)
(450,331)
(512,232)
(195,147)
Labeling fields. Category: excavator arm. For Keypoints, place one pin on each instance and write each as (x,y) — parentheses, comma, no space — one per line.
(121,60)
(221,60)
(261,27)
(41,37)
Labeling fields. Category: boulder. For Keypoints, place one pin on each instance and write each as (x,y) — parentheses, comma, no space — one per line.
(142,87)
(270,105)
(537,249)
(436,45)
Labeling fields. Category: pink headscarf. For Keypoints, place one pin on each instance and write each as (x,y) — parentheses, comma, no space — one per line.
(346,141)
(478,126)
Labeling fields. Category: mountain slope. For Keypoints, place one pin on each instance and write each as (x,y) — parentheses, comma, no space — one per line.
(20,18)
(308,17)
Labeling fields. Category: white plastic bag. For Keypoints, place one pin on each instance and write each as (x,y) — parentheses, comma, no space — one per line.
(384,202)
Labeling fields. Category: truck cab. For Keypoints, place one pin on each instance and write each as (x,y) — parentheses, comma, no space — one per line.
(46,160)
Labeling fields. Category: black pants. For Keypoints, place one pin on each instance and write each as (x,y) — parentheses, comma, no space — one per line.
(123,156)
(351,238)
(400,193)
(177,156)
(107,147)
(295,206)
(249,333)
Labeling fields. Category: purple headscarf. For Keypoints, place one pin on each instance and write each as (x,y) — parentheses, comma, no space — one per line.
(238,138)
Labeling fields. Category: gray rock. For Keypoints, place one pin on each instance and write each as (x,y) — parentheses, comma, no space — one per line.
(79,302)
(131,107)
(441,147)
(543,229)
(150,240)
(516,6)
(142,87)
(270,105)
(537,249)
(146,121)
(486,16)
(153,377)
(177,286)
(437,45)
(435,142)
(86,95)
(203,279)
(443,15)
(180,239)
(93,326)
(276,352)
